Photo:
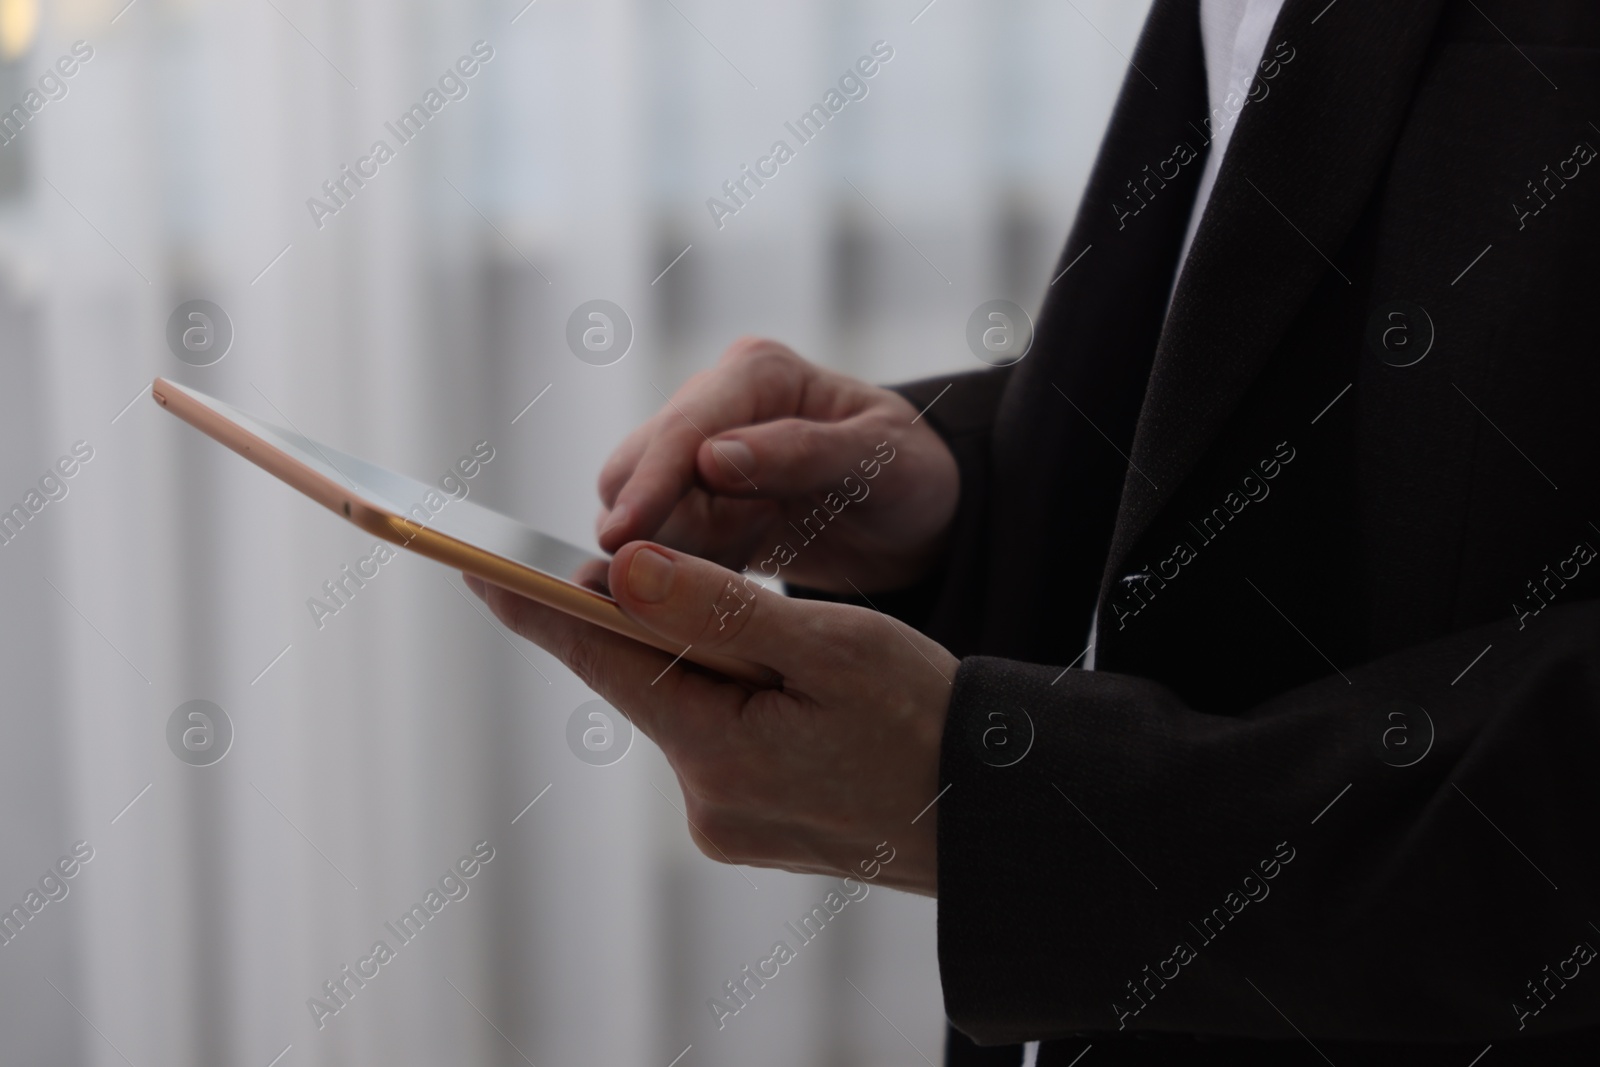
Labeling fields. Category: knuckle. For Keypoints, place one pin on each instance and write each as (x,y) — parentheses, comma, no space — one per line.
(711,792)
(805,441)
(719,838)
(513,614)
(846,637)
(822,444)
(707,845)
(735,606)
(764,358)
(578,653)
(501,607)
(749,346)
(891,412)
(612,478)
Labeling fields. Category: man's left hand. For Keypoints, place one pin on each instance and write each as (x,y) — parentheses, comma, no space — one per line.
(809,778)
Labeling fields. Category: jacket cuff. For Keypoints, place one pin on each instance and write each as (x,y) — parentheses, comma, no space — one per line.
(946,603)
(1031,895)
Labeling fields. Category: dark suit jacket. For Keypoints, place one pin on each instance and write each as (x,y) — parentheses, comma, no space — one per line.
(1330,794)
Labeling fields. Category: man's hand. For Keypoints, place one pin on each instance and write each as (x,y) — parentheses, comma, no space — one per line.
(810,778)
(755,454)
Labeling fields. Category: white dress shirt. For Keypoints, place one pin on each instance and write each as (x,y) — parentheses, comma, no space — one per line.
(1235,34)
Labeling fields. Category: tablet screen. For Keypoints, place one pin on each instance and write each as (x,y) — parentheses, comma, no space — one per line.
(455,517)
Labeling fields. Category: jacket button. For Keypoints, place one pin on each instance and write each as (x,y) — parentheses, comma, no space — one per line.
(1135,581)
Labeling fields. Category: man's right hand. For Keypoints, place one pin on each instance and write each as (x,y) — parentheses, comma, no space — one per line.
(767,450)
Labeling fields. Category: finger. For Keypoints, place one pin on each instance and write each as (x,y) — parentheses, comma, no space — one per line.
(663,476)
(766,383)
(624,458)
(790,457)
(631,677)
(689,600)
(620,465)
(722,529)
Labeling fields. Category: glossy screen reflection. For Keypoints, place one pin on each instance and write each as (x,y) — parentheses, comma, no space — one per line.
(459,518)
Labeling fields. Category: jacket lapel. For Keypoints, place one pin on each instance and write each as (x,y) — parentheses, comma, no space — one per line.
(1301,166)
(1065,424)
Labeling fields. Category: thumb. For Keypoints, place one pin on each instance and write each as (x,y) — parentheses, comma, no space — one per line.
(788,457)
(698,604)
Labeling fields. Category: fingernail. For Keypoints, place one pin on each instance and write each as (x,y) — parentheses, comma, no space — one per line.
(474,583)
(650,576)
(619,515)
(738,456)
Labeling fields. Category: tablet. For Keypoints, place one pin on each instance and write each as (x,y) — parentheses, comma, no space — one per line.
(461,533)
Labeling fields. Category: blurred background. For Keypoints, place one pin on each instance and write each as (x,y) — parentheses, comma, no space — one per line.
(365,752)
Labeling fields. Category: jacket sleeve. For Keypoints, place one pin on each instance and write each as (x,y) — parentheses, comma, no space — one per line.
(961,409)
(1404,852)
